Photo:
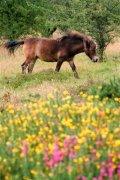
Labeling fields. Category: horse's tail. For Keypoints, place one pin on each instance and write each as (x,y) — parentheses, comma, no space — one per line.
(11,46)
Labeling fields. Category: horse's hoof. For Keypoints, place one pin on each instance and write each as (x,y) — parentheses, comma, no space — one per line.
(76,76)
(23,73)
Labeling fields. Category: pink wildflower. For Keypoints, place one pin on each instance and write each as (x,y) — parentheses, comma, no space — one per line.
(71,154)
(103,171)
(57,154)
(110,170)
(118,170)
(95,178)
(81,178)
(70,142)
(24,148)
(100,178)
(56,157)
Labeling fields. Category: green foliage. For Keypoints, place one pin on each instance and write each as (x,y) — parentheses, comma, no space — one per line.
(21,17)
(67,14)
(16,18)
(110,90)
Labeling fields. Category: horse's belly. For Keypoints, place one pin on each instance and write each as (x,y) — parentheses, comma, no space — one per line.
(44,52)
(46,56)
(48,59)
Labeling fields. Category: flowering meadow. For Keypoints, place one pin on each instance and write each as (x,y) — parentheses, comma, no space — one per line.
(58,138)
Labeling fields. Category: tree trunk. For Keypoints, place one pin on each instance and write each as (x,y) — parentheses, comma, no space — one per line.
(101,54)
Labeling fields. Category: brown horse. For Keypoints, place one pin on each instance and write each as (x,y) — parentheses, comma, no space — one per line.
(55,50)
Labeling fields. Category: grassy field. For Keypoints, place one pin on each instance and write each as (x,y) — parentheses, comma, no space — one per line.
(51,127)
(44,80)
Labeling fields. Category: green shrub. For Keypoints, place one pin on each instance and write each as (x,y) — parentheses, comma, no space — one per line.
(110,90)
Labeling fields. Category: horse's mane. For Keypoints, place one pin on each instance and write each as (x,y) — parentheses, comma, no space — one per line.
(87,38)
(74,36)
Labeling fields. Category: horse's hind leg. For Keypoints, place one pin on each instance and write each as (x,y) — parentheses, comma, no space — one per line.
(73,67)
(31,66)
(24,66)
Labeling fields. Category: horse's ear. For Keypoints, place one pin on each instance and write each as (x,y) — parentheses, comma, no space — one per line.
(63,39)
(87,44)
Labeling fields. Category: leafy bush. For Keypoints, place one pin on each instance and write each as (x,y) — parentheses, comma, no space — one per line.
(110,90)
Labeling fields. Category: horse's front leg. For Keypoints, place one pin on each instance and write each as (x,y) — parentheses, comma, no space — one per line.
(58,66)
(73,67)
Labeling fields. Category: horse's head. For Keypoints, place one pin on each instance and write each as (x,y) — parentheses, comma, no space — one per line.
(78,42)
(90,49)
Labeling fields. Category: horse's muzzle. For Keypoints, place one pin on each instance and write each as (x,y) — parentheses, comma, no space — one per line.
(95,59)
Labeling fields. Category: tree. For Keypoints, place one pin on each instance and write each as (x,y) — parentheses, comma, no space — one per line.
(66,15)
(103,18)
(99,18)
(21,17)
(14,14)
